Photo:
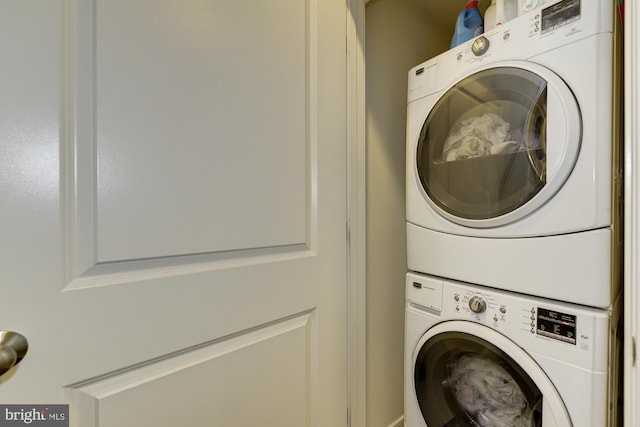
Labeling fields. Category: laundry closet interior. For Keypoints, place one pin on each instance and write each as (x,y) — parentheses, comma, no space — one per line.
(400,34)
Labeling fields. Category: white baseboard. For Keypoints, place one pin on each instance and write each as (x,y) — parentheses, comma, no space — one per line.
(398,423)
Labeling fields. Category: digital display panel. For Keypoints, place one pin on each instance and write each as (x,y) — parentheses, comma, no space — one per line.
(556,325)
(560,14)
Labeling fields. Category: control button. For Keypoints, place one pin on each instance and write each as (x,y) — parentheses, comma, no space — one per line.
(477,304)
(533,331)
(495,318)
(545,334)
(533,310)
(480,46)
(503,310)
(457,298)
(533,317)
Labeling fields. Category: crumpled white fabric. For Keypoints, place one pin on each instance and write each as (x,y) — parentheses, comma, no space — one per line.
(481,135)
(489,393)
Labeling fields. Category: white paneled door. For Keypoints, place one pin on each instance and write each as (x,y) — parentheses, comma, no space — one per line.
(173,185)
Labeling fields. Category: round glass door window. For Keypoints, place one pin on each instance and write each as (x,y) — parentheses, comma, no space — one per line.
(464,381)
(482,151)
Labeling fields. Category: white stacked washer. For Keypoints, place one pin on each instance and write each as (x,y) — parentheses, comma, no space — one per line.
(512,161)
(477,356)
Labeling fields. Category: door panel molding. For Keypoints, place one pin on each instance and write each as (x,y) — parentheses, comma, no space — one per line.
(292,195)
(275,357)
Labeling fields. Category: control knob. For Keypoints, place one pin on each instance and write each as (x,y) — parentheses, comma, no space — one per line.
(480,46)
(477,304)
(528,5)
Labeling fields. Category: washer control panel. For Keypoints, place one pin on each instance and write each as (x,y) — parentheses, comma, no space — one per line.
(479,306)
(537,324)
(491,308)
(555,324)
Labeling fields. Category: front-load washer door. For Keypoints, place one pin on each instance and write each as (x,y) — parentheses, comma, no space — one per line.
(498,144)
(467,375)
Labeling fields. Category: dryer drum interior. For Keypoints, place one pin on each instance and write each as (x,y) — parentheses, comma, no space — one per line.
(461,380)
(482,149)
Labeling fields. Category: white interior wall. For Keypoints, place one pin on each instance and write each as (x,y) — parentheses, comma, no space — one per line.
(399,35)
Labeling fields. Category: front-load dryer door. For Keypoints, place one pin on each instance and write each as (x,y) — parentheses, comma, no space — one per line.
(468,375)
(498,144)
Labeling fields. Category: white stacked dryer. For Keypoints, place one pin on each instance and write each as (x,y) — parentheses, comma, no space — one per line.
(513,170)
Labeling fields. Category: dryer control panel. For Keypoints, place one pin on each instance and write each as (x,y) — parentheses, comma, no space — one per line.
(559,15)
(549,27)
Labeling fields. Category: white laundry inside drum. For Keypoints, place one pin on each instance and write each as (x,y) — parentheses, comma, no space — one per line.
(482,135)
(488,393)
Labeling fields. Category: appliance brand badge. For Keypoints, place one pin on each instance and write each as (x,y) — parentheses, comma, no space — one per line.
(34,415)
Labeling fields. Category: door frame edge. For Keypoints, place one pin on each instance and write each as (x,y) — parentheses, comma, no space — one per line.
(356,214)
(632,212)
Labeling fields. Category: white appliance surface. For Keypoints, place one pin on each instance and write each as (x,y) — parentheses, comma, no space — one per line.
(566,350)
(576,195)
